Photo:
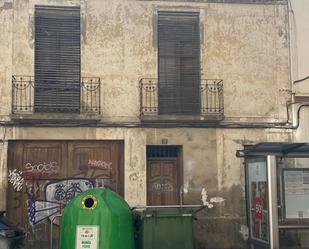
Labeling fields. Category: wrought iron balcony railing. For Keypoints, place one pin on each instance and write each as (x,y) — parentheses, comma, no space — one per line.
(30,97)
(210,94)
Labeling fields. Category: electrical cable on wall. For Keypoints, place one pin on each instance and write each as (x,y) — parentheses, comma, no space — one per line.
(301,80)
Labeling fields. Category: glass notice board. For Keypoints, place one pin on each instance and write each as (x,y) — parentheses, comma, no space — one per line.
(258,200)
(296,193)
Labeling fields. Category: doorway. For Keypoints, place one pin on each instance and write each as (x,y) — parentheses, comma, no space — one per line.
(44,175)
(164,175)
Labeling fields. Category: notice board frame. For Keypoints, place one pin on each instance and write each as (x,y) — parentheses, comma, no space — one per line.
(300,218)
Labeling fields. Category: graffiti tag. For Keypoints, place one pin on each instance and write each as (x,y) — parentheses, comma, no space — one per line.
(162,187)
(98,164)
(212,200)
(16,179)
(42,167)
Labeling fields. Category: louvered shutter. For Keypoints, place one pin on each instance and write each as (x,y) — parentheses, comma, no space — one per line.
(57,59)
(179,63)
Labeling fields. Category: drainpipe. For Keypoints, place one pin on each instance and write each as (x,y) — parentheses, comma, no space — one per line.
(291,60)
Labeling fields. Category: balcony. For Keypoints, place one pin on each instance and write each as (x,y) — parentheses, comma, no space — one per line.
(55,99)
(210,107)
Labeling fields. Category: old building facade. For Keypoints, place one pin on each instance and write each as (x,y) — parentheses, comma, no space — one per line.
(149,98)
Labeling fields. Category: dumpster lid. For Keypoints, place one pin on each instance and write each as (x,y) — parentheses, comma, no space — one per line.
(183,209)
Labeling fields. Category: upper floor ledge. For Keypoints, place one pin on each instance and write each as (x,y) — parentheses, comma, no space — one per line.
(55,118)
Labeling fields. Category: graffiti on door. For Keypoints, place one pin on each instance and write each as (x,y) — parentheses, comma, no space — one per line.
(41,169)
(57,195)
(43,176)
(15,178)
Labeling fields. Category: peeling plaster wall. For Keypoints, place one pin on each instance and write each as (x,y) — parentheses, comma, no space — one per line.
(209,159)
(209,162)
(135,167)
(225,224)
(230,168)
(300,60)
(6,31)
(300,36)
(245,45)
(199,162)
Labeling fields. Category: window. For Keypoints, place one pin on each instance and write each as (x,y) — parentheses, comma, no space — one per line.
(179,63)
(57,59)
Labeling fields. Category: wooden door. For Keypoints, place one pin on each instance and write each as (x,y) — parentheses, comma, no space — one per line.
(43,176)
(163,183)
(102,162)
(31,165)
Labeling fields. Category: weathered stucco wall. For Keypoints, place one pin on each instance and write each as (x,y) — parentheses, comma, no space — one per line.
(6,29)
(300,36)
(209,159)
(225,224)
(199,162)
(246,45)
(300,61)
(209,162)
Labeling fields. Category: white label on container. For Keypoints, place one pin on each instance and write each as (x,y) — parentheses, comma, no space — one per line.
(87,237)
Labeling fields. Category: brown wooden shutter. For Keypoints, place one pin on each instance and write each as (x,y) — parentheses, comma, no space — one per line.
(57,59)
(179,63)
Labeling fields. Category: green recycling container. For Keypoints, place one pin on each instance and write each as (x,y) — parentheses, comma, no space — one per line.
(164,227)
(97,219)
